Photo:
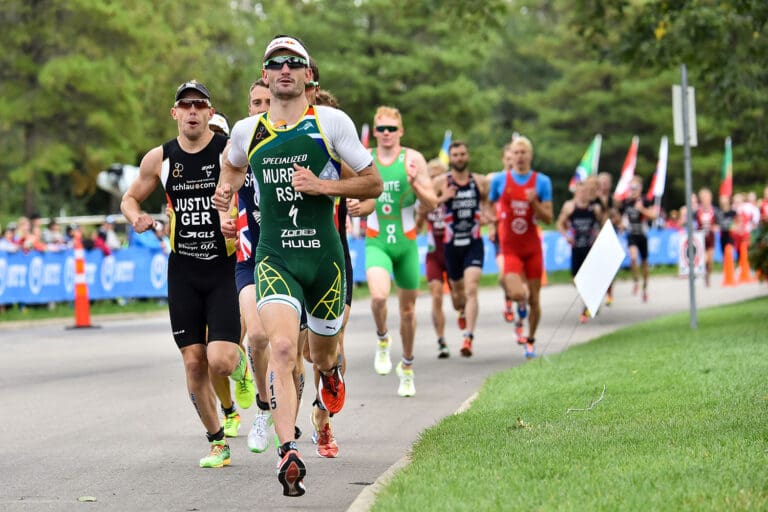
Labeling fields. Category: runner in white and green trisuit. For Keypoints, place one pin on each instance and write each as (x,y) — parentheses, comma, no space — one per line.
(390,244)
(295,151)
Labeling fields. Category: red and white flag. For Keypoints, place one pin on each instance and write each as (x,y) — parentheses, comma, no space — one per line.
(656,190)
(627,170)
(365,134)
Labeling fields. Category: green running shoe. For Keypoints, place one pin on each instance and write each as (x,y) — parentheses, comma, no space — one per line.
(245,391)
(219,456)
(231,424)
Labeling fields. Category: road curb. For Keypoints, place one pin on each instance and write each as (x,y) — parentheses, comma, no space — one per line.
(367,497)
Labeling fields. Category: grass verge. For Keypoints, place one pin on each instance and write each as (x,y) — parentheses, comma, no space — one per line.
(681,426)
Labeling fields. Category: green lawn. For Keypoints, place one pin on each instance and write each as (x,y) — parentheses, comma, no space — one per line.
(682,425)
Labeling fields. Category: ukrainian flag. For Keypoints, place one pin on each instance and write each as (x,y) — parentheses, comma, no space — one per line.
(443,155)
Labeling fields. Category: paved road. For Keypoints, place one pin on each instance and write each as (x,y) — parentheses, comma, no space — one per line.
(104,412)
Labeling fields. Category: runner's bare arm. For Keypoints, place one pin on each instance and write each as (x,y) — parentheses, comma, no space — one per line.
(358,208)
(443,192)
(542,209)
(367,206)
(365,184)
(140,189)
(487,213)
(562,219)
(418,177)
(649,212)
(230,181)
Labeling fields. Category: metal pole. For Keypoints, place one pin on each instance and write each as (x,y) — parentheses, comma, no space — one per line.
(688,193)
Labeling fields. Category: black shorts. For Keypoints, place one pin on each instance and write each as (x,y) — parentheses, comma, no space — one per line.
(725,239)
(641,242)
(578,255)
(202,297)
(464,256)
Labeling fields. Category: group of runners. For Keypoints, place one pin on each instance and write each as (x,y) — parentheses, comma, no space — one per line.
(259,250)
(592,205)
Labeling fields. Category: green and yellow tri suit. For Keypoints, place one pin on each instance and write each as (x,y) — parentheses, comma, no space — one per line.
(299,258)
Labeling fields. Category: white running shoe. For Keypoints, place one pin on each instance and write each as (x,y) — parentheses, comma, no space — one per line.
(382,363)
(406,387)
(258,437)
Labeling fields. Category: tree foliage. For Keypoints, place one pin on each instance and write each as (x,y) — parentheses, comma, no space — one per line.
(86,83)
(724,45)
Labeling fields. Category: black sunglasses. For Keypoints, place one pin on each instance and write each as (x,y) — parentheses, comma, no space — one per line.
(386,128)
(187,103)
(293,62)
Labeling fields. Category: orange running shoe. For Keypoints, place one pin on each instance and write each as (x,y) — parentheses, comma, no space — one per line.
(509,313)
(331,390)
(519,330)
(462,320)
(326,442)
(466,347)
(291,472)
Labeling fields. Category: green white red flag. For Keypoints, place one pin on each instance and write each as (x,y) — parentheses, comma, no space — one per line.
(726,173)
(589,163)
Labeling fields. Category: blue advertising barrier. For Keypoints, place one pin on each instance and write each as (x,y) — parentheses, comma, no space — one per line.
(38,278)
(663,247)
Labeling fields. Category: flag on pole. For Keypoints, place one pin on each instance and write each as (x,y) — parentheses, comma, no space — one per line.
(443,155)
(589,163)
(365,134)
(628,169)
(726,173)
(656,190)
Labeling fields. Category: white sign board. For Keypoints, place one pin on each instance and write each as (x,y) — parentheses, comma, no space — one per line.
(599,268)
(677,116)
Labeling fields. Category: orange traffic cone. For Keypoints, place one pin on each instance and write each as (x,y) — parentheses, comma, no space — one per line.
(729,278)
(745,276)
(82,305)
(446,285)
